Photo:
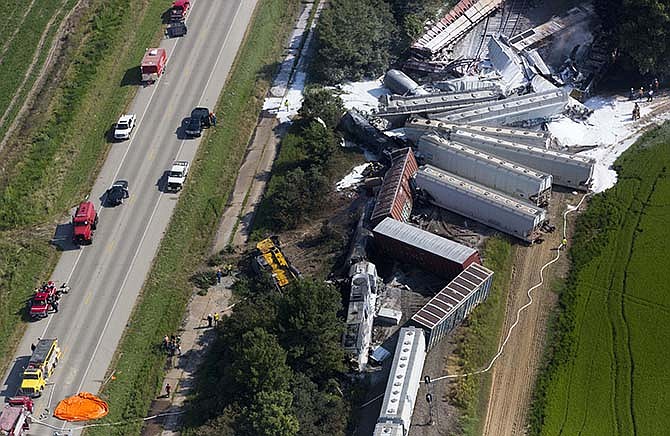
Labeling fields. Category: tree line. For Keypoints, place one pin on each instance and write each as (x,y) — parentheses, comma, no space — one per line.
(640,31)
(361,38)
(276,366)
(301,176)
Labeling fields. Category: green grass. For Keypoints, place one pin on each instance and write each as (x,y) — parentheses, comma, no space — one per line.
(21,266)
(478,339)
(291,155)
(65,148)
(606,372)
(139,363)
(21,49)
(60,162)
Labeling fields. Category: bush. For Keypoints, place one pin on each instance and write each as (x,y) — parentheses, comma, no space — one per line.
(216,259)
(318,142)
(322,103)
(204,279)
(297,194)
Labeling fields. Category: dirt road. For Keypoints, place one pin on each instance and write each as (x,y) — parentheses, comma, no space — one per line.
(514,372)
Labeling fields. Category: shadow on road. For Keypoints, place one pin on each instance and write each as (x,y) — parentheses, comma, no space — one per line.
(13,380)
(161,183)
(62,239)
(181,130)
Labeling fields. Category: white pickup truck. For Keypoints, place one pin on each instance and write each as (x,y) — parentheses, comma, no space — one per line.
(177,175)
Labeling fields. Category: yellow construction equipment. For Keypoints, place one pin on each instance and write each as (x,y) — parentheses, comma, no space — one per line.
(270,258)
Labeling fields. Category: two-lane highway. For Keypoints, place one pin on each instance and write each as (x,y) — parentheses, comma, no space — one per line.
(107,276)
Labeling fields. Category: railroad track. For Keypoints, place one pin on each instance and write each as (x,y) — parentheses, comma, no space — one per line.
(510,23)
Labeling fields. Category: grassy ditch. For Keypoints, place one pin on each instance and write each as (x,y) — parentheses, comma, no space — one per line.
(63,149)
(139,362)
(606,363)
(478,339)
(63,153)
(20,42)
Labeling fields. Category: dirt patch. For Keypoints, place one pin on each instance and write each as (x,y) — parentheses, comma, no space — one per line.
(316,246)
(514,372)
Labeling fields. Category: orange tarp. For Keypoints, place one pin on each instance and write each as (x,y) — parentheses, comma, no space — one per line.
(82,407)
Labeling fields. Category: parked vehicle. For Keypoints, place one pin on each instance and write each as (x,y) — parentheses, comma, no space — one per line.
(179,10)
(124,126)
(177,175)
(200,118)
(15,416)
(44,298)
(117,193)
(43,361)
(84,222)
(176,29)
(153,64)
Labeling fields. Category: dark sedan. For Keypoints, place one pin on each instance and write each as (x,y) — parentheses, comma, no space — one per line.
(117,193)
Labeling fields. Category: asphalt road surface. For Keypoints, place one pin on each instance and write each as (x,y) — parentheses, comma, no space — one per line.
(106,277)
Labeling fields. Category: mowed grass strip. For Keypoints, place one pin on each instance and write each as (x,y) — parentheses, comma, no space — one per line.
(139,363)
(64,153)
(479,337)
(66,148)
(607,369)
(30,78)
(21,48)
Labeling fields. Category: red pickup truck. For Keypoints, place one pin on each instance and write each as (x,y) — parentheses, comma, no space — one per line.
(179,10)
(44,299)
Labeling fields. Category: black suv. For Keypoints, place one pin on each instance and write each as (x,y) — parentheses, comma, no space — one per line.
(176,29)
(117,193)
(199,119)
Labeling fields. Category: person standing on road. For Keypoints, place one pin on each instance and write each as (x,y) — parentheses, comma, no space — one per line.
(54,304)
(216,319)
(168,389)
(210,318)
(219,274)
(650,96)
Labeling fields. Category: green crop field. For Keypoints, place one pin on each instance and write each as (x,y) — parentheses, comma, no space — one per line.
(607,369)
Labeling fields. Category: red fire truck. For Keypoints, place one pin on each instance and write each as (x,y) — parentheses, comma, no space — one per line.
(153,64)
(15,416)
(84,222)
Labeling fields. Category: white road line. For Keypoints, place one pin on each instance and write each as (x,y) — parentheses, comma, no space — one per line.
(118,296)
(225,40)
(153,213)
(118,169)
(216,64)
(132,262)
(146,230)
